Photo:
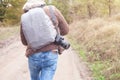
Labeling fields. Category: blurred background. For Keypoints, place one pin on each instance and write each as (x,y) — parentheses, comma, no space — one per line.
(94,31)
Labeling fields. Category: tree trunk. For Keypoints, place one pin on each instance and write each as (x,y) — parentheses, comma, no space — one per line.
(110,7)
(89,9)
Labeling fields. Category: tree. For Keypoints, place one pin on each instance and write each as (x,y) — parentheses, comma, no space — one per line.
(12,14)
(3,6)
(63,6)
(110,7)
(89,8)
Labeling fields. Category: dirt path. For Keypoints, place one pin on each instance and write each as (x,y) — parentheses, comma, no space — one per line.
(13,64)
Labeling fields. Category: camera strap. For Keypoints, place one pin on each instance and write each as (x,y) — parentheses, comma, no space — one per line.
(54,19)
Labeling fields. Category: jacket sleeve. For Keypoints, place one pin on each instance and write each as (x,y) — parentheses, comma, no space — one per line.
(62,23)
(23,40)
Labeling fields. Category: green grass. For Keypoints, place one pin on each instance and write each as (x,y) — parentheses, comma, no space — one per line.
(115,76)
(77,48)
(97,68)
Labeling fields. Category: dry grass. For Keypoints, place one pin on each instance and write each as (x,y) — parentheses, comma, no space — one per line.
(102,38)
(8,35)
(7,32)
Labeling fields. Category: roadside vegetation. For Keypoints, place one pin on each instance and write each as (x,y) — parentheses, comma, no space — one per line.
(97,40)
(95,35)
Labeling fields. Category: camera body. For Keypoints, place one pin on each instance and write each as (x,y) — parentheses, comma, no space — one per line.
(59,40)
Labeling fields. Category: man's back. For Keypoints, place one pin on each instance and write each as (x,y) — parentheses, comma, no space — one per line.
(38,28)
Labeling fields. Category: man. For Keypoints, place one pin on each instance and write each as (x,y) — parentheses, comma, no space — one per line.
(43,62)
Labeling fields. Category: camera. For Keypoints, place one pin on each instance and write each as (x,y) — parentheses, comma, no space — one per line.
(59,40)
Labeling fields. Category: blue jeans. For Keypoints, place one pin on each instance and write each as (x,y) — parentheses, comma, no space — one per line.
(43,65)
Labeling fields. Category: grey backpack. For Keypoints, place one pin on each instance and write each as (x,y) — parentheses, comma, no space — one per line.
(38,29)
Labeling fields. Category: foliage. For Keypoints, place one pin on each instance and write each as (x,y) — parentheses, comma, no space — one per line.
(12,14)
(63,8)
(100,39)
(94,8)
(78,9)
(2,10)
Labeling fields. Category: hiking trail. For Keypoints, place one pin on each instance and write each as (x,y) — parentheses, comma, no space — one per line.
(14,66)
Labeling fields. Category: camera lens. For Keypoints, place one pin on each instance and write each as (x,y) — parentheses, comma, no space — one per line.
(65,45)
(60,41)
